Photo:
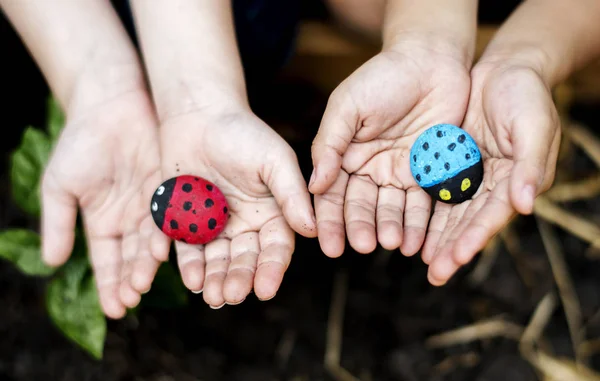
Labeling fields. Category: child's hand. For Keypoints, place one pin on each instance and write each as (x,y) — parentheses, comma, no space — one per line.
(258,173)
(106,163)
(367,131)
(512,117)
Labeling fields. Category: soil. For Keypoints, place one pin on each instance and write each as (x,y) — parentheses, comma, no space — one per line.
(389,313)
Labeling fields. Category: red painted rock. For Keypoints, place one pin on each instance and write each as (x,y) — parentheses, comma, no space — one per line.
(190,209)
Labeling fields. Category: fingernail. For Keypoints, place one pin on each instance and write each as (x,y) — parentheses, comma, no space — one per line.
(198,291)
(146,291)
(267,299)
(217,307)
(313,176)
(236,303)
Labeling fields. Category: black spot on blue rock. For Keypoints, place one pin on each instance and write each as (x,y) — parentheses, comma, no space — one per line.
(461,138)
(439,134)
(436,155)
(209,187)
(447,166)
(187,187)
(418,178)
(425,146)
(212,223)
(467,156)
(193,228)
(415,158)
(187,206)
(174,224)
(208,203)
(452,146)
(427,169)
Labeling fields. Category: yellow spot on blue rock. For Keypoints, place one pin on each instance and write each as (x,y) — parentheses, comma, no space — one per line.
(445,194)
(466,184)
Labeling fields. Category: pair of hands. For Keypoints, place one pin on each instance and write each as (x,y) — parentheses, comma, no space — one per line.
(111,158)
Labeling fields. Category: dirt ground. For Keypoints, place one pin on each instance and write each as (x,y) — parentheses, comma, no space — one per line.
(389,310)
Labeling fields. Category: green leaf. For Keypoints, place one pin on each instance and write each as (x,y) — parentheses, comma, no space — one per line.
(22,247)
(55,118)
(167,290)
(27,165)
(73,305)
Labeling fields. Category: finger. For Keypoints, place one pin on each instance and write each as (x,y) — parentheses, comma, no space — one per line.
(289,189)
(443,265)
(105,257)
(338,126)
(217,264)
(416,217)
(359,213)
(389,216)
(129,248)
(59,214)
(531,153)
(493,215)
(192,262)
(437,226)
(160,244)
(329,208)
(240,275)
(454,219)
(145,264)
(277,246)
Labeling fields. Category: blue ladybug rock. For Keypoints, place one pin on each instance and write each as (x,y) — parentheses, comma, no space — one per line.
(446,162)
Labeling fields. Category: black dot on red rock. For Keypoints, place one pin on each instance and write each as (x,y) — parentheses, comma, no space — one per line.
(183,240)
(212,223)
(170,205)
(193,228)
(174,224)
(187,205)
(187,187)
(208,203)
(197,179)
(209,187)
(194,211)
(225,209)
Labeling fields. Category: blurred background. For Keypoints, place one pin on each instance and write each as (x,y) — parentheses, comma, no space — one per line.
(528,308)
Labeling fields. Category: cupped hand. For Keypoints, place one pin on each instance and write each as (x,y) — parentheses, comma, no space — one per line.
(258,173)
(513,119)
(361,179)
(105,163)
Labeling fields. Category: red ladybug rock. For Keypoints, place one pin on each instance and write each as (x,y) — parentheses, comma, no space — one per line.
(190,209)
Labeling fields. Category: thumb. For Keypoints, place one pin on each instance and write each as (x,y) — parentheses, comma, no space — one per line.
(535,149)
(288,186)
(338,127)
(59,214)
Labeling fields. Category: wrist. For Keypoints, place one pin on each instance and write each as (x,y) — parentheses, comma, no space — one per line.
(198,94)
(101,80)
(429,44)
(526,56)
(449,28)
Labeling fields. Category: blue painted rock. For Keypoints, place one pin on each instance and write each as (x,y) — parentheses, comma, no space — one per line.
(446,162)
